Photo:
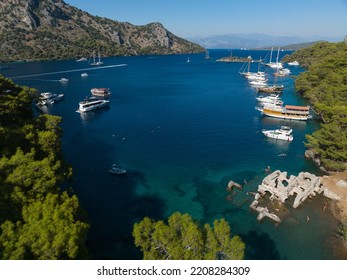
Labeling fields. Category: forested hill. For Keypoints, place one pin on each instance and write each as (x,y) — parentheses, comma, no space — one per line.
(325,84)
(52,29)
(37,219)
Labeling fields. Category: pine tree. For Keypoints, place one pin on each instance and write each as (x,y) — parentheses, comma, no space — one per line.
(183,239)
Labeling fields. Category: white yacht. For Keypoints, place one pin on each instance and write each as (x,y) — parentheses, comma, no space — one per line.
(92,103)
(63,80)
(256,77)
(83,75)
(48,98)
(272,99)
(258,83)
(284,133)
(293,63)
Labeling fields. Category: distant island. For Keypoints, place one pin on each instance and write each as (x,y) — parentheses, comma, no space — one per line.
(229,59)
(52,30)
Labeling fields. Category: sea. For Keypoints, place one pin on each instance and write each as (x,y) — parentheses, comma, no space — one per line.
(182,131)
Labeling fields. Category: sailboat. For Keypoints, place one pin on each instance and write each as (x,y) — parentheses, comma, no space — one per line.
(276,65)
(188,60)
(207,55)
(96,63)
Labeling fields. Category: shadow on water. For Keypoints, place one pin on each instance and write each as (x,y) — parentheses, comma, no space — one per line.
(259,246)
(110,200)
(113,217)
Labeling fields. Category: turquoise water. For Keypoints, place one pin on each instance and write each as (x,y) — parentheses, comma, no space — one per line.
(182,131)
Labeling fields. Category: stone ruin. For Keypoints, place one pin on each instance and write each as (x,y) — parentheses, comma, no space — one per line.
(281,187)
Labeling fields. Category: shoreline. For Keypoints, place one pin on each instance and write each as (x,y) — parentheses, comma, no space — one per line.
(337,184)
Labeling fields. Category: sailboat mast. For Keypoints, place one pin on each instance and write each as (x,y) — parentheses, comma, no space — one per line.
(278,53)
(249,63)
(259,64)
(271,54)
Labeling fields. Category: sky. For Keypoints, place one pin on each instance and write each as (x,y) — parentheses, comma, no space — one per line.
(188,18)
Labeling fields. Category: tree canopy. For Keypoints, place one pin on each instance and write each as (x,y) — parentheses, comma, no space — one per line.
(183,239)
(37,219)
(325,84)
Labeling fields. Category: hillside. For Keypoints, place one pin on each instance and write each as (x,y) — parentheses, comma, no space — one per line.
(325,84)
(52,29)
(299,46)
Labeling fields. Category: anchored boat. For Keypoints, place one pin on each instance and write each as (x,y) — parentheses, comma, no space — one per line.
(289,112)
(117,170)
(284,133)
(101,92)
(92,103)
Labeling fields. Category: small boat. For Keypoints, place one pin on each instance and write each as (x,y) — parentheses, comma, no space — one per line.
(207,55)
(96,63)
(258,83)
(81,59)
(63,80)
(275,65)
(48,98)
(256,77)
(282,72)
(284,133)
(293,63)
(117,170)
(188,60)
(92,103)
(271,89)
(102,92)
(268,100)
(84,75)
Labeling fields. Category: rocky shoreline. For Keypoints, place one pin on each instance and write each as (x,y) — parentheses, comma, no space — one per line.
(337,183)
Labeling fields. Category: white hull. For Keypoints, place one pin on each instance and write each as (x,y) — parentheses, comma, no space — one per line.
(285,117)
(274,135)
(87,108)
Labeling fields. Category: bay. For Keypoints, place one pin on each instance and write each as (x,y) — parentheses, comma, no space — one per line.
(182,130)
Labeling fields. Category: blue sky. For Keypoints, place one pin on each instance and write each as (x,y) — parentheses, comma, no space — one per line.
(187,18)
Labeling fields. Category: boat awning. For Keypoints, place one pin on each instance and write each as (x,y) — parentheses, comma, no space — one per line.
(297,108)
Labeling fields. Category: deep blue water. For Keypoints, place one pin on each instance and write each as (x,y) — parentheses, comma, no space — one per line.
(182,130)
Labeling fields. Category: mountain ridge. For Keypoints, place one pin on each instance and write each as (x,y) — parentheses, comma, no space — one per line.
(255,40)
(52,29)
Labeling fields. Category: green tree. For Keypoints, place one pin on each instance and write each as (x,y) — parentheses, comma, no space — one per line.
(182,239)
(37,219)
(325,85)
(50,230)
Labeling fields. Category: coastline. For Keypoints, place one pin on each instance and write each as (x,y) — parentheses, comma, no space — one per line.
(336,183)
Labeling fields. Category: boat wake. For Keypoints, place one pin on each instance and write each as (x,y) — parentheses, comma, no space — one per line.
(68,71)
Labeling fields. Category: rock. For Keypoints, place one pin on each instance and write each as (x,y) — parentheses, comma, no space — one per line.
(330,194)
(233,184)
(281,187)
(342,184)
